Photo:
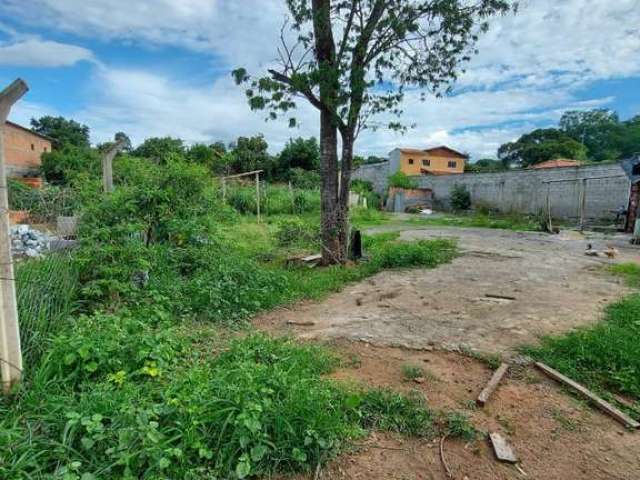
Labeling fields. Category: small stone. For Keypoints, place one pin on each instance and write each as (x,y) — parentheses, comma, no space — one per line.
(419,379)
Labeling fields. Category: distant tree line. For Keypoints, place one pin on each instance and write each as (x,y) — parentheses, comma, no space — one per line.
(591,135)
(298,161)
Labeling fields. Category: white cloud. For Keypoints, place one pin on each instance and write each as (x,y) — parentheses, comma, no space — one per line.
(42,53)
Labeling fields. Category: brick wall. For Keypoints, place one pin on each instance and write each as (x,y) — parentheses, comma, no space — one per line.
(525,191)
(23,150)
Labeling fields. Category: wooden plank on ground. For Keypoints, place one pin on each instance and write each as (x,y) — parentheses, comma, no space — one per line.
(502,449)
(493,383)
(599,402)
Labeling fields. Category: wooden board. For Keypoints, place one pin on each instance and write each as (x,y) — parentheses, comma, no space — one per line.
(599,402)
(493,383)
(502,449)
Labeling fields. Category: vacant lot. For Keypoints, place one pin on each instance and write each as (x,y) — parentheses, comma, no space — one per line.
(549,286)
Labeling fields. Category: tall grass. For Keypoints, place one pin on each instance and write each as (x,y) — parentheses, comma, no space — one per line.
(606,357)
(274,199)
(46,290)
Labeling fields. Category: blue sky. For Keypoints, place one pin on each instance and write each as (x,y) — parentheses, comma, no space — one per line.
(161,67)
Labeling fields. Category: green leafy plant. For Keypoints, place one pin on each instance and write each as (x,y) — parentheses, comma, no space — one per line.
(460,197)
(402,180)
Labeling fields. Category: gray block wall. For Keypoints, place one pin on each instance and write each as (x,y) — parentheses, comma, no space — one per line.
(525,191)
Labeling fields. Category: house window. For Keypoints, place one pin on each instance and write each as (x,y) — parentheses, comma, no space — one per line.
(453,164)
(411,161)
(426,162)
(44,149)
(33,147)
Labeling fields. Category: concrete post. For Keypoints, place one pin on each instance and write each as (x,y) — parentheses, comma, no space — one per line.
(107,164)
(10,350)
(258,194)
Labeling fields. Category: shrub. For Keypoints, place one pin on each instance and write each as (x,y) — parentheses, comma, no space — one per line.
(460,197)
(294,231)
(305,179)
(394,412)
(401,180)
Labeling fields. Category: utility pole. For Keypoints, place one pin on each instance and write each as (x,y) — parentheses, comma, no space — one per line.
(10,351)
(107,164)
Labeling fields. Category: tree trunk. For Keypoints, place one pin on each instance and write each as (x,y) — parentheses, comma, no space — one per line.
(331,213)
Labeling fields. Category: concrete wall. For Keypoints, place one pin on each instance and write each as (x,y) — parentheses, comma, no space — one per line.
(376,173)
(525,191)
(23,150)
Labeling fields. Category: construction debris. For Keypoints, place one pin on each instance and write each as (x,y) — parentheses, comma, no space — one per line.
(28,241)
(492,385)
(599,402)
(502,449)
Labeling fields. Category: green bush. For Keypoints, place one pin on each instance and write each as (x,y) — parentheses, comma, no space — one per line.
(402,180)
(296,232)
(61,166)
(460,197)
(305,179)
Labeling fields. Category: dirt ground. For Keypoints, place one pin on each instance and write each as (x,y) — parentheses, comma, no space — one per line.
(554,287)
(422,317)
(555,436)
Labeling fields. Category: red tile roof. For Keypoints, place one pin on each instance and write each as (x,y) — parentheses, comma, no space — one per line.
(557,163)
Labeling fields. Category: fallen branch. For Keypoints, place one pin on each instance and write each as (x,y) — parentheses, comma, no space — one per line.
(492,385)
(442,459)
(500,297)
(599,402)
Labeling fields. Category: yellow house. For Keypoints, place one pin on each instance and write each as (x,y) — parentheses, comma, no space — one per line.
(431,161)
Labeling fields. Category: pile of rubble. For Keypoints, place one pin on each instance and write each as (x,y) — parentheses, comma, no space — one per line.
(28,242)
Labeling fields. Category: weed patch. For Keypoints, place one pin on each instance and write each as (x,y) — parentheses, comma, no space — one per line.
(606,356)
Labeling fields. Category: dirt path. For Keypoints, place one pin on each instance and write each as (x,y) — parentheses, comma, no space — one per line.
(552,287)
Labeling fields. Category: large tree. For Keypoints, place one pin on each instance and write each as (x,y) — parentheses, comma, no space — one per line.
(599,130)
(64,132)
(539,146)
(353,59)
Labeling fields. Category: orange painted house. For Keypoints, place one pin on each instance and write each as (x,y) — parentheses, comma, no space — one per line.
(23,150)
(440,160)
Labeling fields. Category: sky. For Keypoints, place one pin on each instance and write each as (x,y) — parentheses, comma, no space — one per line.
(162,67)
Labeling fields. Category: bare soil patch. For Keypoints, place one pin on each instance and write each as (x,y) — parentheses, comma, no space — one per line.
(554,435)
(506,289)
(547,283)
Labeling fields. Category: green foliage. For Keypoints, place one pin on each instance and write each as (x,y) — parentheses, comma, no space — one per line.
(43,204)
(485,165)
(342,83)
(539,146)
(304,179)
(251,153)
(402,254)
(606,356)
(401,180)
(47,290)
(66,133)
(384,409)
(411,372)
(630,271)
(160,149)
(298,153)
(600,131)
(457,425)
(274,199)
(63,165)
(296,232)
(460,197)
